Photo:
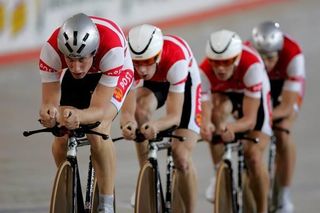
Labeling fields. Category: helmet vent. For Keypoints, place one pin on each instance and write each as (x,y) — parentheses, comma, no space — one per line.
(81,48)
(75,41)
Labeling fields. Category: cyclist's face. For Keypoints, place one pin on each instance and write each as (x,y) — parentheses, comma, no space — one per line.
(223,69)
(146,68)
(79,67)
(270,60)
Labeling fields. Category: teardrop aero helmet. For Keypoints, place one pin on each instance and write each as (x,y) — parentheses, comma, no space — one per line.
(267,37)
(78,37)
(145,42)
(223,45)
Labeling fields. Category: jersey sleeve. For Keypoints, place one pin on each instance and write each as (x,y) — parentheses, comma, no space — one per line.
(50,64)
(253,80)
(177,76)
(111,66)
(296,74)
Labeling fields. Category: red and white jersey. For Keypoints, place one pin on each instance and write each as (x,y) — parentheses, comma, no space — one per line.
(290,67)
(176,61)
(112,56)
(249,77)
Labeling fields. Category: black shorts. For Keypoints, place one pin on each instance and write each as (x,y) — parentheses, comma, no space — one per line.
(78,92)
(237,102)
(276,89)
(161,89)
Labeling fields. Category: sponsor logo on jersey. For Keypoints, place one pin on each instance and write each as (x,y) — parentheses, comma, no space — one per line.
(124,83)
(44,67)
(198,106)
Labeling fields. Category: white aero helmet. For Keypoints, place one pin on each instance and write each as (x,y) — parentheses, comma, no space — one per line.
(145,42)
(78,37)
(223,44)
(267,37)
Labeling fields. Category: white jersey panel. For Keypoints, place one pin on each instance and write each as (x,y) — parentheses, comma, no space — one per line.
(177,75)
(252,78)
(49,56)
(296,73)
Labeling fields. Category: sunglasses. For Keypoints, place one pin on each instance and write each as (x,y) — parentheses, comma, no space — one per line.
(146,62)
(223,63)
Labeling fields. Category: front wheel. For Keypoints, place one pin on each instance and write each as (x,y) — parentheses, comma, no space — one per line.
(223,200)
(146,191)
(177,202)
(61,198)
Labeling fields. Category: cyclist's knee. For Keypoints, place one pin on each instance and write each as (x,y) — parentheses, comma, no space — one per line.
(182,165)
(254,161)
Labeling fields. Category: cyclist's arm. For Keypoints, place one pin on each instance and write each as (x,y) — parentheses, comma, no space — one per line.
(174,105)
(248,121)
(51,93)
(286,107)
(100,106)
(128,109)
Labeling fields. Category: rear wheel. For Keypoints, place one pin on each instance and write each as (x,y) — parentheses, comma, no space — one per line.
(223,190)
(61,198)
(146,194)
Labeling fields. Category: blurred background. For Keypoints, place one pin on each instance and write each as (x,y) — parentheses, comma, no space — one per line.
(25,24)
(26,166)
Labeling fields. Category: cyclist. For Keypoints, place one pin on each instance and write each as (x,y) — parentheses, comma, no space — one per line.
(284,62)
(234,82)
(89,56)
(166,73)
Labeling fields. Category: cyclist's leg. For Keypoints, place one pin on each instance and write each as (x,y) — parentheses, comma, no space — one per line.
(222,108)
(185,180)
(258,173)
(286,159)
(59,150)
(149,99)
(103,160)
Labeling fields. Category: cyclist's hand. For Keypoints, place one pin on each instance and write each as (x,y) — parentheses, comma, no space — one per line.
(70,118)
(129,130)
(149,130)
(48,115)
(228,134)
(207,131)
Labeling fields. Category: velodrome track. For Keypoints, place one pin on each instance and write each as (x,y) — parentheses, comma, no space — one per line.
(26,166)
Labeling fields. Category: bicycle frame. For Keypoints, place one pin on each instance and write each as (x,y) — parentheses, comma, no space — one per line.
(154,147)
(229,148)
(77,139)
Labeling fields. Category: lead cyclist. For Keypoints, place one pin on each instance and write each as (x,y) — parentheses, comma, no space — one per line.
(85,78)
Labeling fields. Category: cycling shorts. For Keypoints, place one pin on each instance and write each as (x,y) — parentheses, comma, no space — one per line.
(78,92)
(191,112)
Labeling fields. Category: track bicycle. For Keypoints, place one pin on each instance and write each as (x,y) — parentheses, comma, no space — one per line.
(232,193)
(67,193)
(150,196)
(273,204)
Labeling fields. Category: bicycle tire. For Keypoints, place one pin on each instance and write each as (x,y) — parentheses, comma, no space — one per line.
(146,195)
(61,198)
(176,200)
(223,200)
(249,204)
